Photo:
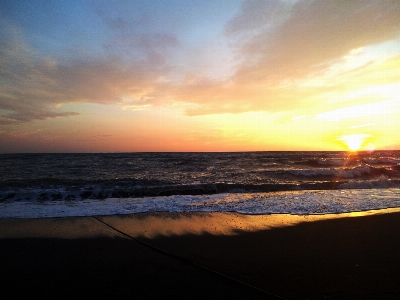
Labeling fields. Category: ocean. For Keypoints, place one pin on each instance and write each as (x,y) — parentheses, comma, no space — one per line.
(59,185)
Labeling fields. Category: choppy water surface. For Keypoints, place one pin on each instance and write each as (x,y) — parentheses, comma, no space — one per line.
(75,179)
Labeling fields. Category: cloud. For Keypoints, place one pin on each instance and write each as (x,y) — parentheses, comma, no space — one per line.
(33,87)
(23,115)
(256,16)
(311,34)
(280,47)
(132,38)
(357,111)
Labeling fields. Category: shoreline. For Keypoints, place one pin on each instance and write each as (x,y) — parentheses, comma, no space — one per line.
(345,256)
(150,224)
(299,202)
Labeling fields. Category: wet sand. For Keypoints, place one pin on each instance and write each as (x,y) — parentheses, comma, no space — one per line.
(349,256)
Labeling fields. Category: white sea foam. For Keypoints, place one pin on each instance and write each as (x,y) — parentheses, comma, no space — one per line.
(293,202)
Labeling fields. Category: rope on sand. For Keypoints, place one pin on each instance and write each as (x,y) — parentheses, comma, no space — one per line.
(188,261)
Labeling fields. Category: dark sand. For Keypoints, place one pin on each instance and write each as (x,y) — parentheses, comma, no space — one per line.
(313,258)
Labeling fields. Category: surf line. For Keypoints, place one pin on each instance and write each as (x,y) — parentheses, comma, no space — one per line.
(188,261)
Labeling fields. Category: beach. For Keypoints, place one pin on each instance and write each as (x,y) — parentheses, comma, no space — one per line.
(202,256)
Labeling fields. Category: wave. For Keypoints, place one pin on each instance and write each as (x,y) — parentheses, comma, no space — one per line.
(319,179)
(381,161)
(105,192)
(295,202)
(359,171)
(79,177)
(324,162)
(380,182)
(345,173)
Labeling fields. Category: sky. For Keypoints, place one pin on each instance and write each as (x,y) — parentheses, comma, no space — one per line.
(199,75)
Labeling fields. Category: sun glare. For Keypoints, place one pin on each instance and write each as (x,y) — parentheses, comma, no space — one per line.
(354,142)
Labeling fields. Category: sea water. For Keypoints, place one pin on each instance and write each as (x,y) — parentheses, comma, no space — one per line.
(56,185)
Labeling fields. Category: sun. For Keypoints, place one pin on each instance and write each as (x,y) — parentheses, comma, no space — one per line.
(354,142)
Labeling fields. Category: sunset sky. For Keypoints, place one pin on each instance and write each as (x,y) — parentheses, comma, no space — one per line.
(199,75)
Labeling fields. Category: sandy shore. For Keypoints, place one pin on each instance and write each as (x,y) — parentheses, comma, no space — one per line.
(351,256)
